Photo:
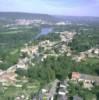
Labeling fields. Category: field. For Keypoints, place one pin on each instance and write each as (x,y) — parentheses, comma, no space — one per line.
(9,93)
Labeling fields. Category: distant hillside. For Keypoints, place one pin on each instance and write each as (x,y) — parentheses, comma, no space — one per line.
(19,15)
(80,19)
(9,16)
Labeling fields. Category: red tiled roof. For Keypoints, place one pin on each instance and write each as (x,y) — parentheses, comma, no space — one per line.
(75,75)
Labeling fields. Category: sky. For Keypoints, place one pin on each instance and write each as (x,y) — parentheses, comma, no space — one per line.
(53,7)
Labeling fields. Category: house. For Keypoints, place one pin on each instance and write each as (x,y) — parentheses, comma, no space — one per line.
(67,36)
(62,92)
(22,66)
(75,75)
(23,63)
(96,51)
(88,79)
(93,52)
(30,50)
(44,91)
(22,97)
(80,57)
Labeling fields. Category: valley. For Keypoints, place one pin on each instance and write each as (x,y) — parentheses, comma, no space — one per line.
(48,59)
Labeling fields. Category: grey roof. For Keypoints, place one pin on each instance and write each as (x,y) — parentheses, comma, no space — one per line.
(76,97)
(62,90)
(89,77)
(60,97)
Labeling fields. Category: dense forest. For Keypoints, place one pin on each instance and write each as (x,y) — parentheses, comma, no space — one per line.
(85,40)
(60,68)
(18,15)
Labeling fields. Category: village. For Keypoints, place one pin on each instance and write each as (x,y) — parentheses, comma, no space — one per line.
(58,90)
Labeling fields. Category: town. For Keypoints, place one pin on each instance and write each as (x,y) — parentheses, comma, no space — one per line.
(48,57)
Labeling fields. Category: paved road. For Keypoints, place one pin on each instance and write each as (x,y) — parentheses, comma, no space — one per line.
(52,91)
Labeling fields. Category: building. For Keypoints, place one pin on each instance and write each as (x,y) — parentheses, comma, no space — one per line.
(60,23)
(85,78)
(30,50)
(62,92)
(75,75)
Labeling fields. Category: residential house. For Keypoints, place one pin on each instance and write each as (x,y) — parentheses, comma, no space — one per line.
(87,79)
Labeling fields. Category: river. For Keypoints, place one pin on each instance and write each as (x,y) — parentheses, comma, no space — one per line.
(44,31)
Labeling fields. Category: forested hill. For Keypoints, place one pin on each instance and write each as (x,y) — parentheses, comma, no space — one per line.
(81,19)
(51,18)
(19,15)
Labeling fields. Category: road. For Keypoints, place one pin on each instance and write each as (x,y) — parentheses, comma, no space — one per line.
(52,91)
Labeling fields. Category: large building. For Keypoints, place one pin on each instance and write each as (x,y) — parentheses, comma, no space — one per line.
(85,77)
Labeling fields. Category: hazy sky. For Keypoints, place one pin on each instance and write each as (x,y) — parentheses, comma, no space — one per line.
(56,7)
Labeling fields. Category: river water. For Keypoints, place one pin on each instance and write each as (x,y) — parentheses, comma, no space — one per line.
(44,31)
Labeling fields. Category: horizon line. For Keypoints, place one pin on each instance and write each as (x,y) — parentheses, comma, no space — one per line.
(47,14)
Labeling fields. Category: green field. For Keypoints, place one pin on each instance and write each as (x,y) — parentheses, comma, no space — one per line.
(27,89)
